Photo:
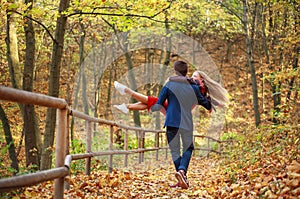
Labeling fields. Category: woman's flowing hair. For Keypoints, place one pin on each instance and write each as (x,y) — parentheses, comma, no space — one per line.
(216,90)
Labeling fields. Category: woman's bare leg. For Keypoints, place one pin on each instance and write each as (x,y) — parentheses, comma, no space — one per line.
(138,96)
(125,90)
(137,106)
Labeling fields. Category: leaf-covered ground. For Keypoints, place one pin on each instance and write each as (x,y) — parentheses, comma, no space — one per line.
(262,164)
(207,180)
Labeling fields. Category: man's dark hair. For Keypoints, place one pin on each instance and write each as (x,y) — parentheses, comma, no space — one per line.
(181,68)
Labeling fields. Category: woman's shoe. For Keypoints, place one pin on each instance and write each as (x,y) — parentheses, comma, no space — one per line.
(122,107)
(120,87)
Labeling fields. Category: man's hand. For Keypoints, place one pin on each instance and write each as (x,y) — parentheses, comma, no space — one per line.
(156,107)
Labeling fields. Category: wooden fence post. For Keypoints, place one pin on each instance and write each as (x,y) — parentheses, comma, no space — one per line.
(157,144)
(67,180)
(194,142)
(143,145)
(88,147)
(111,140)
(60,150)
(126,148)
(167,144)
(208,146)
(139,146)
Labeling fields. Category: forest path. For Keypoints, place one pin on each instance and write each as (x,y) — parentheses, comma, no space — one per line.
(214,177)
(151,179)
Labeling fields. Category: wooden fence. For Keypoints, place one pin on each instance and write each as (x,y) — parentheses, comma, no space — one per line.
(63,158)
(209,140)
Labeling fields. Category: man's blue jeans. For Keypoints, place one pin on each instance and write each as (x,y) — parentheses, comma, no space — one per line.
(173,136)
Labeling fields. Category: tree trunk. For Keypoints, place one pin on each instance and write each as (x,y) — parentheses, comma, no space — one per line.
(98,75)
(136,114)
(264,43)
(111,67)
(84,97)
(228,50)
(148,67)
(31,134)
(268,60)
(75,103)
(251,65)
(16,80)
(12,51)
(57,53)
(296,53)
(15,68)
(295,66)
(81,55)
(166,62)
(9,141)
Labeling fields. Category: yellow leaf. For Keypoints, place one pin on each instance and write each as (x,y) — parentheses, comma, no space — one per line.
(294,167)
(294,175)
(293,183)
(114,183)
(285,190)
(27,193)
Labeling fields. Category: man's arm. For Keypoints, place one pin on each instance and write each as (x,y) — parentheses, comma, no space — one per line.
(201,99)
(161,100)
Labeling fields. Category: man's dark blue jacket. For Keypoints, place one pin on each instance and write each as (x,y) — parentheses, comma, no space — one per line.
(182,97)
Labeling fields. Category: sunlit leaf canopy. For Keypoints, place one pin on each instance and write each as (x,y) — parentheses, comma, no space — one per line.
(188,16)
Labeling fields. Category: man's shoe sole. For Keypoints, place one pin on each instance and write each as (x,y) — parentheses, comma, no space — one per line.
(181,180)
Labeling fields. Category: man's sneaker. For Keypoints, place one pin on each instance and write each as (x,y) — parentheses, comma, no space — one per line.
(120,87)
(122,107)
(175,185)
(182,180)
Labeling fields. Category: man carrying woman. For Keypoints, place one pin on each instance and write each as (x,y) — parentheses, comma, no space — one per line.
(177,98)
(209,88)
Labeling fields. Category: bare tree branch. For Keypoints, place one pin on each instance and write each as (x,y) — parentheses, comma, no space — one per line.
(124,15)
(98,13)
(115,31)
(38,22)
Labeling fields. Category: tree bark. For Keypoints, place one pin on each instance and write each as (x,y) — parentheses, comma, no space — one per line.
(57,53)
(296,50)
(32,136)
(251,65)
(15,67)
(166,62)
(9,141)
(16,80)
(264,42)
(12,51)
(295,66)
(81,63)
(75,103)
(111,67)
(136,114)
(148,67)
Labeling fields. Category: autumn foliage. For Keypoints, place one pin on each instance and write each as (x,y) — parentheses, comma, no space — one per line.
(262,161)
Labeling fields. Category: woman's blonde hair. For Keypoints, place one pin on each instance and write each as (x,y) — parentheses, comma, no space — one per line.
(216,90)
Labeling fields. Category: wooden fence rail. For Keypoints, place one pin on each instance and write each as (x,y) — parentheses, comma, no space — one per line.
(209,140)
(63,160)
